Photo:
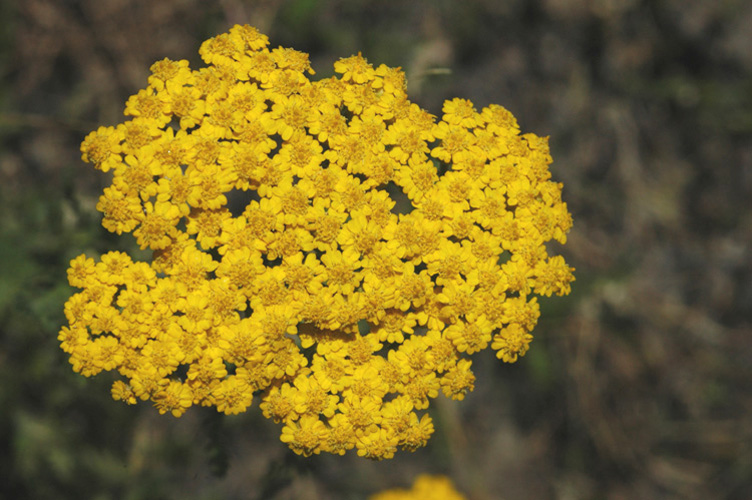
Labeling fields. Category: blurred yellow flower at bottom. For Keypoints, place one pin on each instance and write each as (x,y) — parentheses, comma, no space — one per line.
(425,488)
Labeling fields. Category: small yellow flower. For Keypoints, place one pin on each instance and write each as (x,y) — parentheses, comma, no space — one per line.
(279,403)
(149,104)
(82,271)
(123,392)
(355,69)
(340,437)
(102,148)
(174,397)
(122,213)
(233,395)
(378,444)
(306,436)
(511,342)
(313,397)
(165,71)
(458,380)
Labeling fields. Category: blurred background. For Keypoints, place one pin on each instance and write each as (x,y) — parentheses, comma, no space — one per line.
(638,385)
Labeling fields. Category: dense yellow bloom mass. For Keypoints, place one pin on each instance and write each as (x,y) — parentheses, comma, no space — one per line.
(326,246)
(425,488)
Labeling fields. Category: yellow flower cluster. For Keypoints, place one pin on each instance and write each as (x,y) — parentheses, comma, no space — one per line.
(327,246)
(425,488)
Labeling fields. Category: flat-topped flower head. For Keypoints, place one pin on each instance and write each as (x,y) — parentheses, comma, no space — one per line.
(284,267)
(425,487)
